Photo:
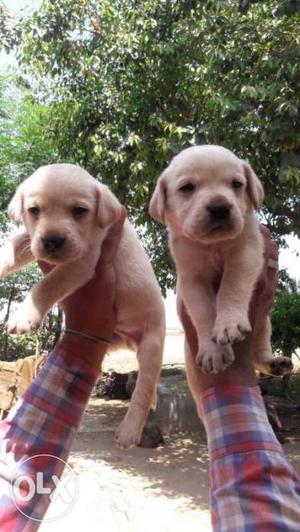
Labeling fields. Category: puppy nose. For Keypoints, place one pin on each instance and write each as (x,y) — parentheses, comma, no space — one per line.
(53,243)
(219,210)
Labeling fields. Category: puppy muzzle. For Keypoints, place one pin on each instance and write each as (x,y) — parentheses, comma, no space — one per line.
(56,248)
(53,243)
(215,221)
(219,211)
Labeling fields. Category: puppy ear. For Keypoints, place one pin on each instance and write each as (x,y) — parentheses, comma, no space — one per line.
(254,187)
(109,209)
(158,201)
(15,207)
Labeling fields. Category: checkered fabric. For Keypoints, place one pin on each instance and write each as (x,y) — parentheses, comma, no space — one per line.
(253,488)
(43,422)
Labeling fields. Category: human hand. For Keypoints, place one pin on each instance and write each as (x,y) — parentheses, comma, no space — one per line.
(242,369)
(91,308)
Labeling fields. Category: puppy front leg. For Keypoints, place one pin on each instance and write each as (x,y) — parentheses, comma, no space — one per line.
(55,286)
(15,254)
(199,300)
(240,274)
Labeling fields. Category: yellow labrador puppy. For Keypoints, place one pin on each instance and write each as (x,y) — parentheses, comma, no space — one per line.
(67,214)
(207,197)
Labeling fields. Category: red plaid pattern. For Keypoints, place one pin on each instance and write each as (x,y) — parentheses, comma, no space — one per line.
(44,421)
(253,486)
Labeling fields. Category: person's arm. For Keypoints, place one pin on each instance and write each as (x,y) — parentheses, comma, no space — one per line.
(252,485)
(46,419)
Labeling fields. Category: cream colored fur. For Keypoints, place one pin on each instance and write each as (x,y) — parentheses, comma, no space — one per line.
(56,190)
(217,261)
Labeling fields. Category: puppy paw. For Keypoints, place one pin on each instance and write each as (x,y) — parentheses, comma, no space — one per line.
(213,358)
(229,331)
(24,320)
(128,433)
(280,366)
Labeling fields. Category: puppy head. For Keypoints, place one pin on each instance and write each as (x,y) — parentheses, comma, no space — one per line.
(205,194)
(63,209)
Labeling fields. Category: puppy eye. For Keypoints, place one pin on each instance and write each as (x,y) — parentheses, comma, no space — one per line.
(34,211)
(188,187)
(236,184)
(78,212)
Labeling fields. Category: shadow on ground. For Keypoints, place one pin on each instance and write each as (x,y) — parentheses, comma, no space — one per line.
(177,469)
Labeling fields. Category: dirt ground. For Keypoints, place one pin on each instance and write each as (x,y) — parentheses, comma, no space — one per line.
(135,490)
(140,490)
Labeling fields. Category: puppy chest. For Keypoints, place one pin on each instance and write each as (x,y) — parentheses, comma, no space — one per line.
(211,268)
(207,264)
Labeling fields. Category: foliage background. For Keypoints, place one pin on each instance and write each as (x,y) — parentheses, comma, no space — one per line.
(120,86)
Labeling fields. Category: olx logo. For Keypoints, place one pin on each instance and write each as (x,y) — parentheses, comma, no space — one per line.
(31,492)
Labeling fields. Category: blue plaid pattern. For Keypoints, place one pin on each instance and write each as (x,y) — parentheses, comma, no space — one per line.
(252,485)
